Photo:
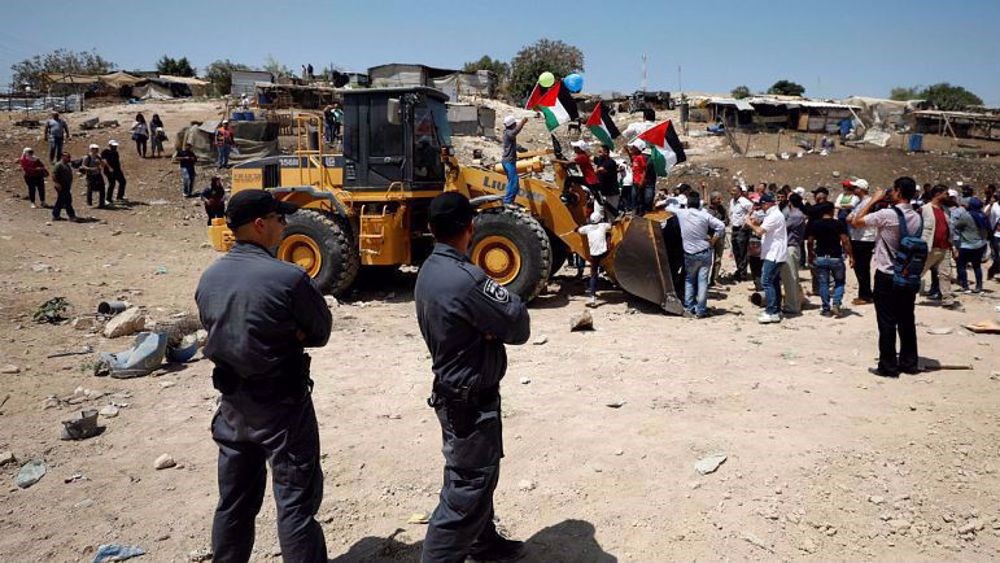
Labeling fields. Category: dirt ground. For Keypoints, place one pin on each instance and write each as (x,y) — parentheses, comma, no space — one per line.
(824,461)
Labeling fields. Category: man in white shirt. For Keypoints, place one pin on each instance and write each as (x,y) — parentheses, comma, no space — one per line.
(774,252)
(698,230)
(863,245)
(993,217)
(597,240)
(739,209)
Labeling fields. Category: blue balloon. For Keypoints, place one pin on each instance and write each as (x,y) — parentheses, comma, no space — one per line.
(573,82)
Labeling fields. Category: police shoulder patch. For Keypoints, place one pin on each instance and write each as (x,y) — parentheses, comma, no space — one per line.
(496,292)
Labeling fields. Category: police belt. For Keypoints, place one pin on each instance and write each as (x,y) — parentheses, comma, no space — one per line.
(442,396)
(292,380)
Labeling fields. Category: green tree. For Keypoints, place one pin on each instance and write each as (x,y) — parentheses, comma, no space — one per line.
(786,88)
(553,56)
(220,74)
(276,68)
(496,66)
(174,67)
(905,93)
(31,72)
(740,92)
(946,97)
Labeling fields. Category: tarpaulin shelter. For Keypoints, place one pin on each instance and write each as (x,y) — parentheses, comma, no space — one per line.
(254,139)
(195,86)
(450,81)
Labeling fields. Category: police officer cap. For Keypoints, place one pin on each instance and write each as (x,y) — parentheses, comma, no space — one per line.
(247,205)
(450,208)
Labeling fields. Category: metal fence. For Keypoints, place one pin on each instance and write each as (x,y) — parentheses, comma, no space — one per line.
(18,101)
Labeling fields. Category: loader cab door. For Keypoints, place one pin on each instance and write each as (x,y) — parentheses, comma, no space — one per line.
(374,146)
(430,132)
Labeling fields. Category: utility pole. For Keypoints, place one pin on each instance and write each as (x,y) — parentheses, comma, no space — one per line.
(645,81)
(680,83)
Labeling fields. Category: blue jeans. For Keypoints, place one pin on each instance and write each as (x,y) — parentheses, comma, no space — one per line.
(512,184)
(827,266)
(187,180)
(970,257)
(224,155)
(55,148)
(697,268)
(770,281)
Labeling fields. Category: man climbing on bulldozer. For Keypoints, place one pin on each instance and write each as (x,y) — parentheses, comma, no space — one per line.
(511,128)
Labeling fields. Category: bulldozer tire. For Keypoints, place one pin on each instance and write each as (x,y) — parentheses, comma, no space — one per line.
(513,248)
(560,252)
(323,247)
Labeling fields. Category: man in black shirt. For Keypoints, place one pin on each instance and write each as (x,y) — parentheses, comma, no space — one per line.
(62,179)
(114,172)
(828,243)
(607,181)
(187,159)
(261,313)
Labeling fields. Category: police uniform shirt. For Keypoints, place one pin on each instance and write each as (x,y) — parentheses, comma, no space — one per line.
(253,306)
(465,318)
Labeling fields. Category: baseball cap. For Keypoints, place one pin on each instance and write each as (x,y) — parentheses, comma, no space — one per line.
(509,120)
(858,183)
(767,197)
(952,192)
(93,146)
(450,208)
(581,144)
(113,143)
(821,190)
(247,205)
(224,121)
(27,150)
(800,190)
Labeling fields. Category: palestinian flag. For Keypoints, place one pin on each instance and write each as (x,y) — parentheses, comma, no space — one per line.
(555,103)
(665,146)
(601,125)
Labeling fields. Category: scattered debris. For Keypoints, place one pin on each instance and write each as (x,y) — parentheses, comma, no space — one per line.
(331,301)
(581,321)
(109,411)
(709,464)
(756,542)
(615,404)
(115,552)
(85,349)
(984,327)
(30,473)
(7,457)
(525,380)
(52,311)
(419,518)
(540,340)
(81,427)
(10,369)
(75,477)
(83,323)
(146,355)
(200,555)
(526,485)
(165,461)
(126,323)
(876,499)
(940,331)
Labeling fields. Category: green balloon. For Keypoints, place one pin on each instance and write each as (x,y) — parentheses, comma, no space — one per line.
(546,79)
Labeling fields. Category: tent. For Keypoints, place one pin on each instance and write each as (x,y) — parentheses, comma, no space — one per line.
(254,139)
(195,86)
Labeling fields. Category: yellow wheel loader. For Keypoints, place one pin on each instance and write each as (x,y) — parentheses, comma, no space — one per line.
(366,207)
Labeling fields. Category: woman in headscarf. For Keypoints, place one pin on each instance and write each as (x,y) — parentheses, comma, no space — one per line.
(971,231)
(140,134)
(34,175)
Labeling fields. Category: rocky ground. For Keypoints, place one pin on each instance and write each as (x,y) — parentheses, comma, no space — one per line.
(603,429)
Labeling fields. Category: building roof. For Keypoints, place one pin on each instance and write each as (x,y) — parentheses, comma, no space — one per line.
(189,80)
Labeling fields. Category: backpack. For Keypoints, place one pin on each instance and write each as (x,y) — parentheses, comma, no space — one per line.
(908,262)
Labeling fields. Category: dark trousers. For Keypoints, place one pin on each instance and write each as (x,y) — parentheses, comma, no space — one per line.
(250,433)
(756,269)
(462,523)
(995,251)
(741,244)
(95,183)
(36,184)
(970,257)
(863,251)
(64,200)
(644,196)
(116,177)
(140,145)
(894,312)
(595,271)
(628,197)
(55,149)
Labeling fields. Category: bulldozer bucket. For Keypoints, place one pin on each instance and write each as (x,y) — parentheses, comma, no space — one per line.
(641,266)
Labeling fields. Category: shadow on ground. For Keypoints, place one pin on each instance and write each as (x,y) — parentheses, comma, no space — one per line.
(567,541)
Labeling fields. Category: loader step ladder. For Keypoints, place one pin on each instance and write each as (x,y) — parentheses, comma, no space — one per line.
(372,231)
(305,125)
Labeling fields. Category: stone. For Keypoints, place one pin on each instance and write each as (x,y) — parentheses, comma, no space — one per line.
(419,518)
(81,426)
(30,473)
(900,525)
(108,411)
(876,499)
(969,527)
(83,323)
(331,301)
(7,457)
(807,545)
(581,322)
(709,464)
(167,384)
(940,331)
(200,555)
(525,380)
(10,369)
(165,461)
(129,321)
(526,485)
(540,340)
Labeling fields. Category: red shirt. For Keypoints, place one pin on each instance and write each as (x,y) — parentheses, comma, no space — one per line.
(638,169)
(941,238)
(32,167)
(582,160)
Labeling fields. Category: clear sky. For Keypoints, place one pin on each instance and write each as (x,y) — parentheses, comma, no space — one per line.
(834,49)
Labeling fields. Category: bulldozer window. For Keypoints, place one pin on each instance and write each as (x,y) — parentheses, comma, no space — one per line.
(385,139)
(427,165)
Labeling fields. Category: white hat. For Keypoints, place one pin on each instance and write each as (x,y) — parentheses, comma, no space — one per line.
(94,146)
(953,192)
(224,121)
(960,183)
(638,143)
(800,190)
(113,143)
(27,150)
(581,144)
(596,217)
(509,120)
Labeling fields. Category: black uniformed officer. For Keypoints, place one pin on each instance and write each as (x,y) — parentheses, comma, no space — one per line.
(260,314)
(466,318)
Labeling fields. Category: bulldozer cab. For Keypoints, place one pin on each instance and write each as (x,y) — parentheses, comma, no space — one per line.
(395,135)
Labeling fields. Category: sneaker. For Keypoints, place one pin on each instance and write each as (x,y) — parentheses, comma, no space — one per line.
(33,206)
(935,296)
(765,318)
(883,373)
(837,311)
(58,219)
(593,301)
(977,290)
(860,301)
(689,314)
(826,313)
(501,549)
